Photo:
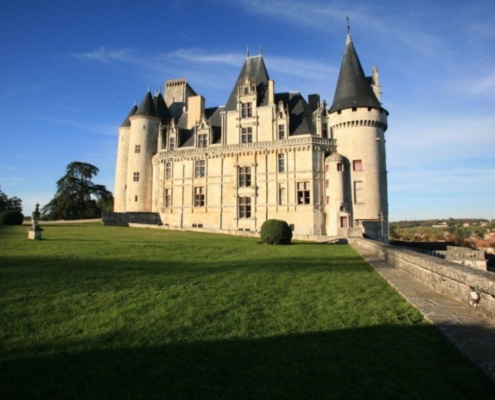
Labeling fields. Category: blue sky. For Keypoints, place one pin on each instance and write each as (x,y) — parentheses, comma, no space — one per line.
(71,71)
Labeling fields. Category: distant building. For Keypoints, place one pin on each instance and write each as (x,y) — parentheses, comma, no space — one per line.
(260,156)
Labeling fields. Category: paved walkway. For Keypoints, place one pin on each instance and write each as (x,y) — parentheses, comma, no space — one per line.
(471,333)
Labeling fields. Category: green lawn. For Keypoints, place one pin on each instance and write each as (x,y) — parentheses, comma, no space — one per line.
(108,312)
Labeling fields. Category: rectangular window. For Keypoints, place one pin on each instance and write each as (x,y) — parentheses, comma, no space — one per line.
(199,168)
(136,177)
(324,130)
(328,199)
(303,193)
(168,171)
(357,165)
(172,144)
(246,110)
(340,166)
(281,195)
(202,140)
(137,149)
(246,135)
(281,132)
(168,198)
(281,162)
(244,207)
(358,192)
(327,168)
(199,197)
(327,184)
(244,176)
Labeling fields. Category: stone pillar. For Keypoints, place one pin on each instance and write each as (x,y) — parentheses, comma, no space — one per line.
(34,232)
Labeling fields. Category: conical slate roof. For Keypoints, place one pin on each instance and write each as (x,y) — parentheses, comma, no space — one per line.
(254,68)
(147,106)
(161,108)
(353,88)
(127,121)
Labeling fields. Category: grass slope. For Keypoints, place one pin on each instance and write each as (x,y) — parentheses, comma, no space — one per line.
(108,312)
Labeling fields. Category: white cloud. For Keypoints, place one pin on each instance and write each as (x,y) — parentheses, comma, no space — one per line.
(83,126)
(104,55)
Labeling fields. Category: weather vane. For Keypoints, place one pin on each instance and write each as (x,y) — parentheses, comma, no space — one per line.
(348,27)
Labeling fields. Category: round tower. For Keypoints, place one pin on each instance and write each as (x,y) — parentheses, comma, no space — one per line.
(336,209)
(358,123)
(142,146)
(121,167)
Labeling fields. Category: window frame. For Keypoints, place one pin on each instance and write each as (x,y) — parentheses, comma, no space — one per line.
(244,206)
(199,168)
(244,177)
(135,177)
(202,140)
(281,162)
(247,109)
(199,196)
(247,134)
(357,165)
(167,198)
(303,193)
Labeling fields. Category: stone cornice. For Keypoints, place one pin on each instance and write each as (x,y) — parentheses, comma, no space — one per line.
(215,151)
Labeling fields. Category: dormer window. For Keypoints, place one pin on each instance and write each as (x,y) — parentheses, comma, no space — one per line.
(246,90)
(281,132)
(202,140)
(171,144)
(324,130)
(246,110)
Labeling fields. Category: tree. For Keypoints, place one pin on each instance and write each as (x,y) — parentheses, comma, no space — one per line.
(77,196)
(10,204)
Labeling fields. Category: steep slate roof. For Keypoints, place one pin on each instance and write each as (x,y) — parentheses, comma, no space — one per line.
(353,88)
(255,69)
(127,121)
(161,108)
(300,113)
(147,106)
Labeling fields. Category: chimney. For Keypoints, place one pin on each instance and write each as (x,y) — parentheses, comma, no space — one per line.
(195,110)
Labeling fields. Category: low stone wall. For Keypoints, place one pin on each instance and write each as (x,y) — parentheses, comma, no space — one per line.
(124,219)
(443,276)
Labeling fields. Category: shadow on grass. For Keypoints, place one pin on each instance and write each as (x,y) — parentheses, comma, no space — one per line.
(382,362)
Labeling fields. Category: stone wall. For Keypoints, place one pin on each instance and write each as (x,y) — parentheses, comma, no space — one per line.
(125,219)
(443,276)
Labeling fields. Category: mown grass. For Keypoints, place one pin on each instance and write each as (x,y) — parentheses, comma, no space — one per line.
(107,312)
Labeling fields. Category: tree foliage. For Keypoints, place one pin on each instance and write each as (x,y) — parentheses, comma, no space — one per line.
(275,231)
(11,217)
(10,204)
(78,197)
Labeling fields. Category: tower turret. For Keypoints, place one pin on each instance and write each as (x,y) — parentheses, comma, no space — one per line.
(358,122)
(121,168)
(143,139)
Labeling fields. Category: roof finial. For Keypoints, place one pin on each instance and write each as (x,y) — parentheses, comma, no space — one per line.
(149,88)
(261,50)
(348,30)
(247,51)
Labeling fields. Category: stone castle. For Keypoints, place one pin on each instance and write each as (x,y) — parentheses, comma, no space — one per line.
(263,155)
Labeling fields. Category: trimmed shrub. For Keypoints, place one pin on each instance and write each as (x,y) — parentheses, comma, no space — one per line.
(11,218)
(275,231)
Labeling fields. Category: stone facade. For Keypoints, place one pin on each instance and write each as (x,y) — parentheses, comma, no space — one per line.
(263,155)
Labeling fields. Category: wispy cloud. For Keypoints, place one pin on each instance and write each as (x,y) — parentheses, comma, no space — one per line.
(104,55)
(82,126)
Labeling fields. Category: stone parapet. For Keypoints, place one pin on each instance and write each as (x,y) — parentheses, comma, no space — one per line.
(463,284)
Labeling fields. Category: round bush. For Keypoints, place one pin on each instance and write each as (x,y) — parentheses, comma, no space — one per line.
(11,218)
(275,231)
